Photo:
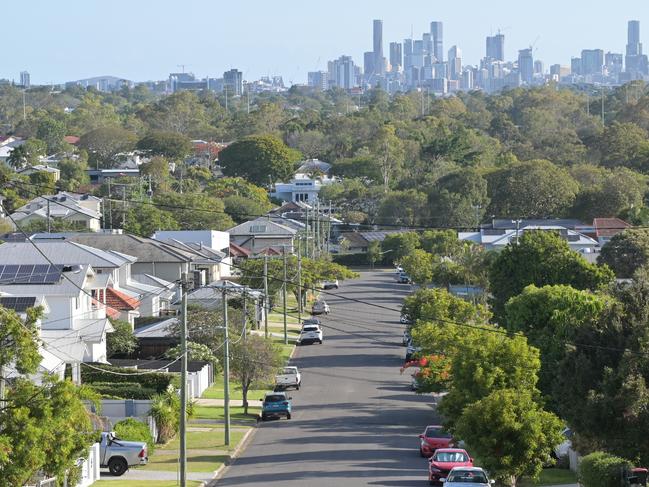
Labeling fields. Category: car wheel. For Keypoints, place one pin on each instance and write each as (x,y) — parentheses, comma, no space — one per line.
(297,387)
(288,416)
(421,453)
(117,466)
(320,342)
(263,417)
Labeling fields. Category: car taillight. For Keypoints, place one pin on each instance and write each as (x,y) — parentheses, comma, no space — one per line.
(142,453)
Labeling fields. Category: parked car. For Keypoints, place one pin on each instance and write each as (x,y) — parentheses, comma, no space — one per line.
(562,449)
(444,460)
(118,455)
(467,477)
(404,278)
(290,377)
(433,438)
(405,319)
(310,334)
(411,350)
(415,383)
(406,337)
(399,269)
(275,405)
(330,284)
(320,307)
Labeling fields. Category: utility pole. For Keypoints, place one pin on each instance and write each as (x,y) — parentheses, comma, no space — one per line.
(183,382)
(299,281)
(110,206)
(329,228)
(306,243)
(266,300)
(284,299)
(49,222)
(226,370)
(245,315)
(124,206)
(518,227)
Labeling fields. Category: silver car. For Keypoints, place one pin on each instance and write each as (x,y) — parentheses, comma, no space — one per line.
(467,477)
(320,307)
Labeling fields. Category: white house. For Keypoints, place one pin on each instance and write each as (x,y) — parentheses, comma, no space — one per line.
(75,326)
(202,241)
(307,182)
(499,238)
(80,209)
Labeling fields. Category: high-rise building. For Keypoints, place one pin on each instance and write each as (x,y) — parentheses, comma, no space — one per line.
(575,65)
(496,47)
(343,73)
(614,63)
(635,62)
(558,71)
(319,80)
(467,80)
(396,56)
(437,33)
(407,54)
(592,61)
(526,65)
(379,63)
(233,82)
(25,79)
(539,68)
(454,63)
(368,65)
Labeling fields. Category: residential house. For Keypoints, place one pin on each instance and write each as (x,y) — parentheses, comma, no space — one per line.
(81,210)
(75,327)
(8,144)
(215,243)
(358,242)
(163,260)
(307,182)
(44,168)
(263,233)
(128,298)
(607,228)
(100,176)
(211,297)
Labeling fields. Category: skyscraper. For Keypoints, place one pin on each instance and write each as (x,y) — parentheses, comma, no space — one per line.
(635,62)
(437,31)
(233,80)
(614,63)
(454,63)
(368,65)
(496,47)
(592,61)
(407,54)
(396,56)
(319,80)
(526,65)
(24,79)
(379,63)
(343,73)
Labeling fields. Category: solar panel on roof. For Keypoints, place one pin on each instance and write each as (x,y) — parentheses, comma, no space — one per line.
(30,274)
(18,304)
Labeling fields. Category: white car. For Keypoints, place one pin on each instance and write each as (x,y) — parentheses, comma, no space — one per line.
(405,319)
(467,477)
(330,284)
(320,307)
(310,334)
(290,377)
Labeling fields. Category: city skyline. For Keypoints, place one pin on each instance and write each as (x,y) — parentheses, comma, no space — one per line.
(300,41)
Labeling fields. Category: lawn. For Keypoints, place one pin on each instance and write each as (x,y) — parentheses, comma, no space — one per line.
(146,483)
(551,476)
(195,463)
(203,440)
(215,391)
(236,413)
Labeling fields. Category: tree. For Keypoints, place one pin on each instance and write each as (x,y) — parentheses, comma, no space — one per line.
(419,265)
(121,340)
(374,252)
(443,243)
(105,143)
(28,154)
(541,258)
(259,159)
(157,168)
(510,433)
(51,132)
(550,316)
(171,145)
(625,144)
(459,199)
(388,149)
(533,189)
(626,252)
(195,211)
(363,166)
(402,208)
(195,351)
(254,360)
(73,173)
(438,305)
(224,187)
(396,246)
(241,208)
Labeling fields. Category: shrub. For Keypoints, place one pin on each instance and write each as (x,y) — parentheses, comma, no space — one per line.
(124,390)
(158,381)
(165,409)
(131,429)
(351,259)
(599,469)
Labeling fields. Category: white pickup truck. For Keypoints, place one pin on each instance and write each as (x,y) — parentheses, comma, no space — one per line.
(290,377)
(118,455)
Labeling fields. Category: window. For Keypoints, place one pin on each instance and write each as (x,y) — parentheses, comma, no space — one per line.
(450,456)
(257,228)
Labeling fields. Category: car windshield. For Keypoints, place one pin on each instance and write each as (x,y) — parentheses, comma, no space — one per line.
(450,456)
(275,398)
(310,328)
(436,433)
(468,476)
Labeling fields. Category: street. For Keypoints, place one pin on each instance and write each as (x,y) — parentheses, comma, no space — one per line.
(355,419)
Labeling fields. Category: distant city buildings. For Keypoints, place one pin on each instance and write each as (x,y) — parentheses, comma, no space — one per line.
(25,79)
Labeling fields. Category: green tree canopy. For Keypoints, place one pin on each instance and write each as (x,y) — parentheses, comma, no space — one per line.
(396,246)
(626,252)
(172,145)
(103,145)
(259,159)
(195,211)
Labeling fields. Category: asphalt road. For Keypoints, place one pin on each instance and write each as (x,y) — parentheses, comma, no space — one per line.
(355,419)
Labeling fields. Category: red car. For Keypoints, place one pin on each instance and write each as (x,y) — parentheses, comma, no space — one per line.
(433,438)
(443,460)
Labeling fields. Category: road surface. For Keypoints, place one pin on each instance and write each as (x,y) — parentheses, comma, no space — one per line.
(355,419)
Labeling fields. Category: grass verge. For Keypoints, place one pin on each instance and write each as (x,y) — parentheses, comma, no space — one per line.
(551,476)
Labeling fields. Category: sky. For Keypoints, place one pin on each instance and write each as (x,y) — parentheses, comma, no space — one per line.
(64,40)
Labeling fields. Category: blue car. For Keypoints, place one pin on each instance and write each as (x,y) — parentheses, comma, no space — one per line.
(275,404)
